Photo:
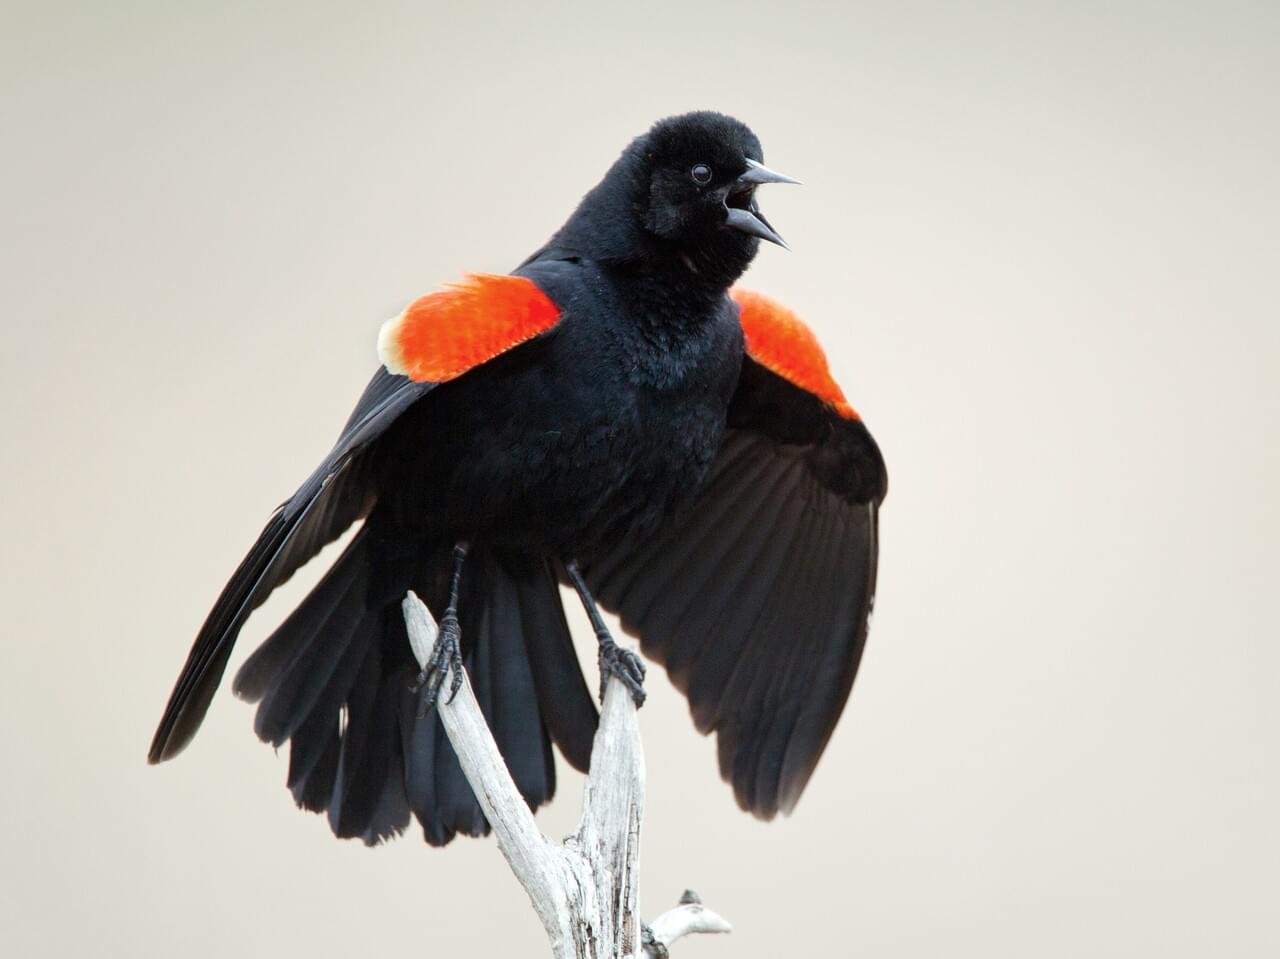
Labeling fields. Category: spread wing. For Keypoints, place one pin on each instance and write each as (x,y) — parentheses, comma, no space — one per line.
(758,598)
(437,338)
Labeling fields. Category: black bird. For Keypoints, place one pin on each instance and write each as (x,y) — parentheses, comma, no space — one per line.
(609,415)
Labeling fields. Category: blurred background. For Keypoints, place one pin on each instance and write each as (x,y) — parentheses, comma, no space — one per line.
(1039,242)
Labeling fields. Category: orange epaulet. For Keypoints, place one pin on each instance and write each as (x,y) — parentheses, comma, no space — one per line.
(442,335)
(780,342)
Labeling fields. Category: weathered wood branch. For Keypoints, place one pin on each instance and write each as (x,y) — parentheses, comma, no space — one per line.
(585,890)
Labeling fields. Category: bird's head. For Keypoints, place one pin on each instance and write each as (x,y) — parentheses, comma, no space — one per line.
(685,193)
(702,173)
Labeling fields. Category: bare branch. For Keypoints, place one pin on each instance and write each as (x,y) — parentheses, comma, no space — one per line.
(688,917)
(586,891)
(531,856)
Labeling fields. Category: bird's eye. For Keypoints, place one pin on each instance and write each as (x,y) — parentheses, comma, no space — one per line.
(701,174)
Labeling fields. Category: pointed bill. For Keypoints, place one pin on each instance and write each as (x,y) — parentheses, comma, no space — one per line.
(755,224)
(759,173)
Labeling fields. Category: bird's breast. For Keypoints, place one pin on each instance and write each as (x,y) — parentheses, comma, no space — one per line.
(677,391)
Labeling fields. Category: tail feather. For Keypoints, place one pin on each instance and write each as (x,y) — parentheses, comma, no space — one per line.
(344,654)
(313,761)
(566,704)
(435,786)
(263,671)
(418,755)
(391,815)
(458,811)
(299,688)
(365,765)
(311,738)
(512,692)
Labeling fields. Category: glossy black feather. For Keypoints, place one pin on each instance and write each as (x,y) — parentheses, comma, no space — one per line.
(758,598)
(343,655)
(313,762)
(330,500)
(566,704)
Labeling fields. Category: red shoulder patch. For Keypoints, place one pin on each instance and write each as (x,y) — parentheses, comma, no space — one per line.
(780,342)
(442,335)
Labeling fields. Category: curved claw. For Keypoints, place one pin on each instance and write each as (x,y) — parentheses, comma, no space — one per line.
(455,681)
(445,658)
(626,665)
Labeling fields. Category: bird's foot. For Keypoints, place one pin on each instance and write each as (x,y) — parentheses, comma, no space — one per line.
(445,658)
(623,663)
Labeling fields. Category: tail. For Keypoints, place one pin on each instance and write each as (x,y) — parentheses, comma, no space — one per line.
(334,680)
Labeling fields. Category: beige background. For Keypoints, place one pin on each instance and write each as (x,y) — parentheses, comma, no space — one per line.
(1040,244)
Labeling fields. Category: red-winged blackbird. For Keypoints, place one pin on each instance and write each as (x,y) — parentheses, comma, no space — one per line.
(609,415)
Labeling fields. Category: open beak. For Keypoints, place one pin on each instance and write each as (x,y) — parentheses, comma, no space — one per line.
(740,202)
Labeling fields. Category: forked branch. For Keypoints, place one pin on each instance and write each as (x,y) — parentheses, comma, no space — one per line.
(584,890)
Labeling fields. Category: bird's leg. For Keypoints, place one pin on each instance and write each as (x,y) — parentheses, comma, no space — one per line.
(614,660)
(447,654)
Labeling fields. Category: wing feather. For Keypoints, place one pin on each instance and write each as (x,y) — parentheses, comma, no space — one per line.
(437,338)
(757,599)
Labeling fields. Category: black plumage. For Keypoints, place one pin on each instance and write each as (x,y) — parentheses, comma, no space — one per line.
(726,513)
